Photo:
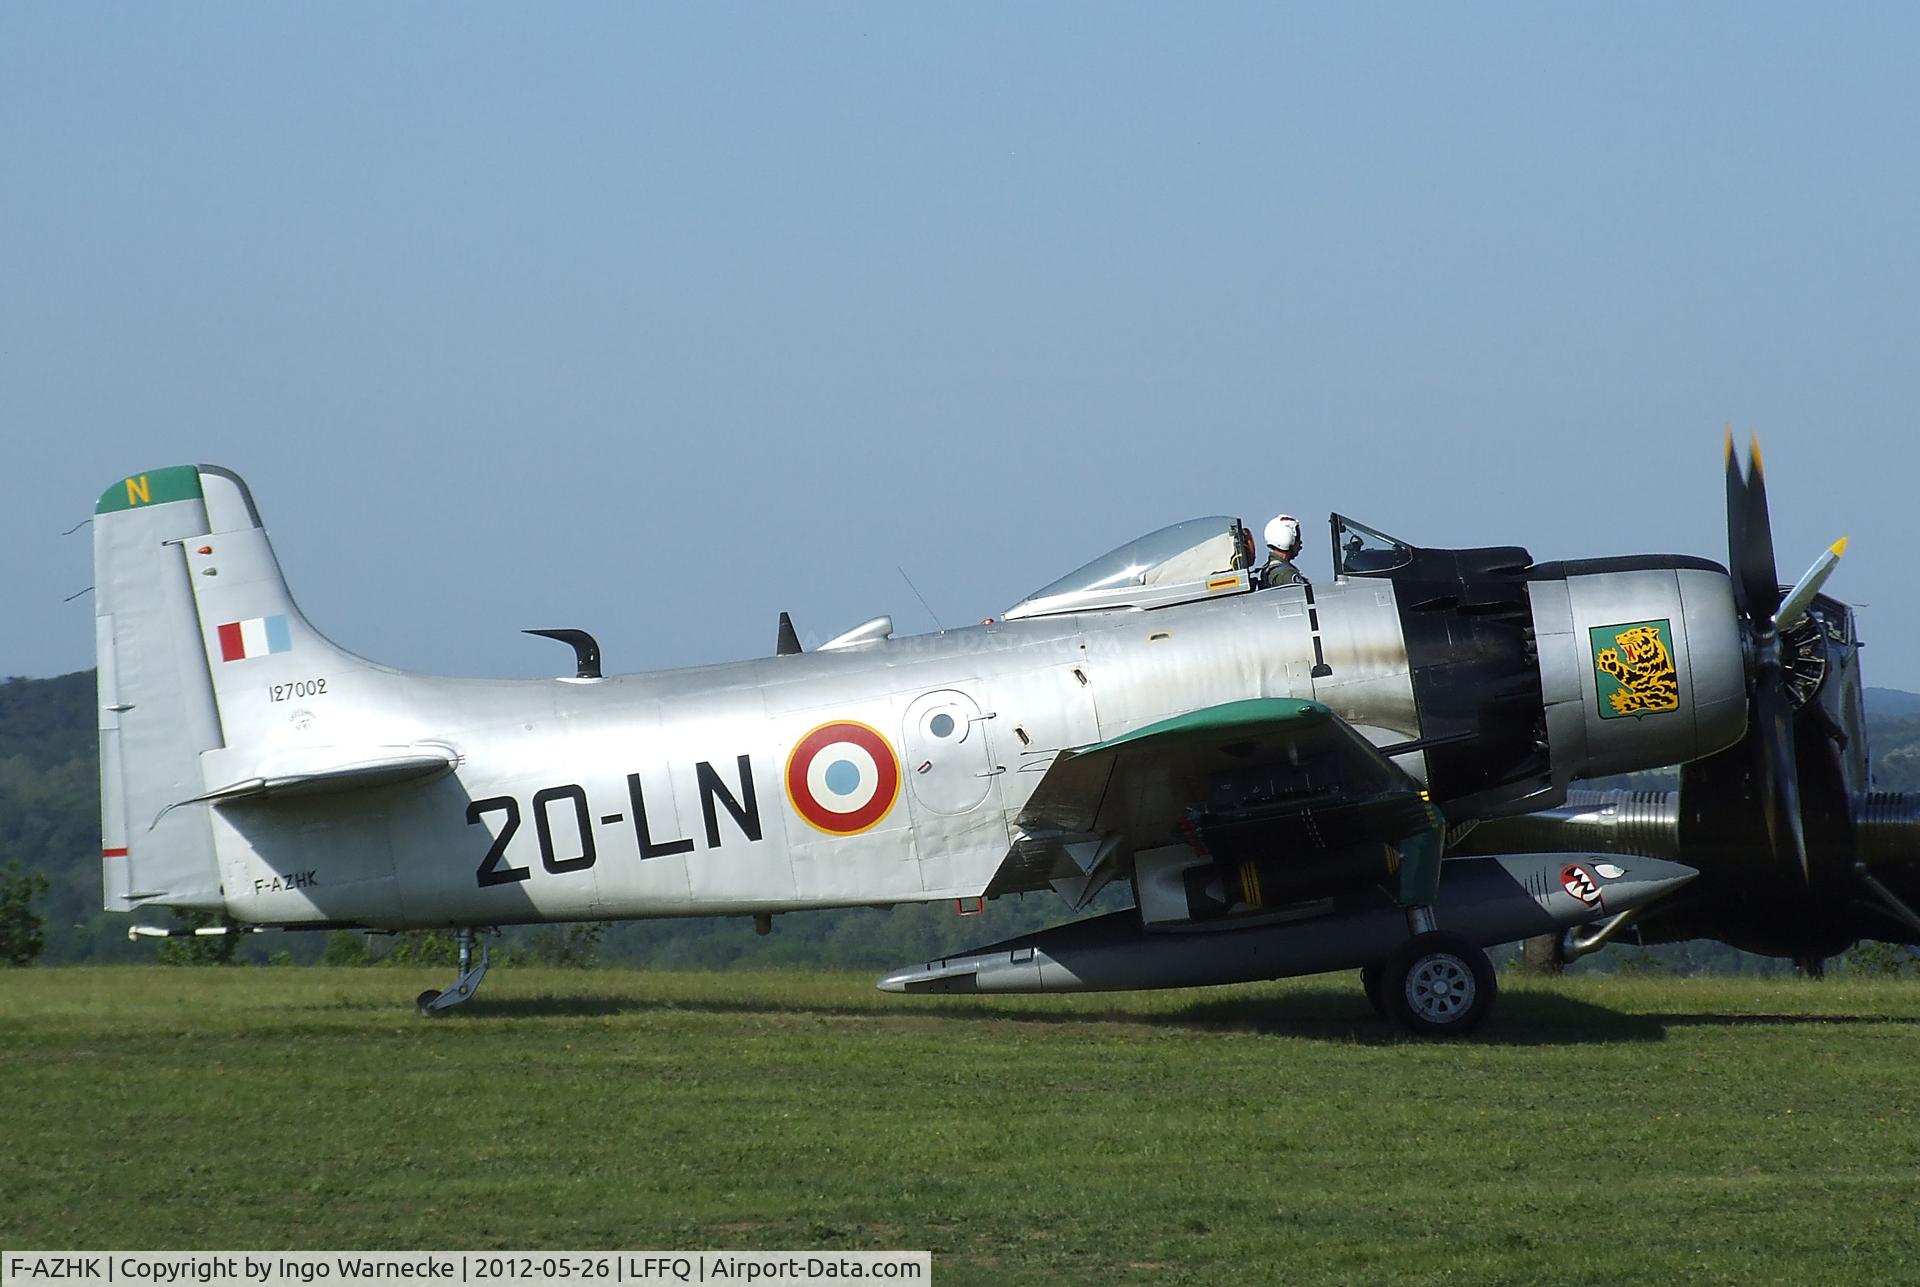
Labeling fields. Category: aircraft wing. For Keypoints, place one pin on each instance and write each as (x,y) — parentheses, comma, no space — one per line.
(1271,765)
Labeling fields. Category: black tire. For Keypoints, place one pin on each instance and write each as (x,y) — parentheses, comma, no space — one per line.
(424,1004)
(1438,985)
(1370,984)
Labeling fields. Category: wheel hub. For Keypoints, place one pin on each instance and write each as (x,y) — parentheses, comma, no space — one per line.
(1440,987)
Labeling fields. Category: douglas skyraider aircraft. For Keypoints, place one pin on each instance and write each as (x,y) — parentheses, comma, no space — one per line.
(1273,772)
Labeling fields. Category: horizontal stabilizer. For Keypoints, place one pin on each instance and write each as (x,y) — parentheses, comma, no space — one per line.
(331,769)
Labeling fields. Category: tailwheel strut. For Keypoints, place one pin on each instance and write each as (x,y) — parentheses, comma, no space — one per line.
(432,1004)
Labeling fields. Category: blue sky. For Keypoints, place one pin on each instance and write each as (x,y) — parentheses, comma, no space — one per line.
(656,320)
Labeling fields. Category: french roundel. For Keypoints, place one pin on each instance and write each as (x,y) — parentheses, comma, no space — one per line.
(843,778)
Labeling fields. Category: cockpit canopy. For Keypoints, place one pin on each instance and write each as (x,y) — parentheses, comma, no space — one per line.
(1197,559)
(1359,550)
(1202,558)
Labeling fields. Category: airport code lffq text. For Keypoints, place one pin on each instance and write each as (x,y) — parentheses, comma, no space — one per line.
(455,1268)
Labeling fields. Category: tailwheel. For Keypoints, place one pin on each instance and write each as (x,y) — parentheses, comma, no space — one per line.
(432,1004)
(1438,984)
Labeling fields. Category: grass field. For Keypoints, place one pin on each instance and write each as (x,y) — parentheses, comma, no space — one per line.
(1598,1130)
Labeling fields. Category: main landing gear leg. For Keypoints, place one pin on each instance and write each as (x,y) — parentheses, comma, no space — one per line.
(1436,984)
(432,1004)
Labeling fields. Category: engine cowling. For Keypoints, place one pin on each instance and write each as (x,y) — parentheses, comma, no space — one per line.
(1530,676)
(1641,663)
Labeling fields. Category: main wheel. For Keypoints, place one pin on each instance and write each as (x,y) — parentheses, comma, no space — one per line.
(1370,984)
(1438,985)
(424,1004)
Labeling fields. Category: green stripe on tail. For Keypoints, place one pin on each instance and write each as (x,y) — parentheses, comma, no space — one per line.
(156,487)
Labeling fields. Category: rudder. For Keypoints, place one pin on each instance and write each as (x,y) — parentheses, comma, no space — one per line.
(195,631)
(157,711)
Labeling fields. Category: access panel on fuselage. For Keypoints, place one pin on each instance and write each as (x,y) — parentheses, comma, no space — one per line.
(949,768)
(953,786)
(1040,710)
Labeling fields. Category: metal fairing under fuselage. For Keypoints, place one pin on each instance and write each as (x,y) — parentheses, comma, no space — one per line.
(888,772)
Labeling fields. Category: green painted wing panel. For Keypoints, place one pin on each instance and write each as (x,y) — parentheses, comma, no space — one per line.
(1256,714)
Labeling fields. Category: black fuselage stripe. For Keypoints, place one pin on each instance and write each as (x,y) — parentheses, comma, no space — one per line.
(1313,628)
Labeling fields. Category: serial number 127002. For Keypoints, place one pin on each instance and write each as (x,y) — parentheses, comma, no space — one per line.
(298,688)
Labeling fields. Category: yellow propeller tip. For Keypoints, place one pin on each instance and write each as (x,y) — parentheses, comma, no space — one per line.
(1838,548)
(1754,450)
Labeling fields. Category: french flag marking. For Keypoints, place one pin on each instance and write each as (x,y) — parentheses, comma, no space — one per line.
(255,637)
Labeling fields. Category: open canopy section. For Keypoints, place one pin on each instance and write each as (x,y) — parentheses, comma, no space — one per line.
(1359,550)
(1199,558)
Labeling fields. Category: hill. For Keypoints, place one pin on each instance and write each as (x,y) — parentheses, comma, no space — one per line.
(1892,703)
(50,812)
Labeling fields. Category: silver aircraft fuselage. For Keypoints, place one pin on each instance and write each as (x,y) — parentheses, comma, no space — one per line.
(681,792)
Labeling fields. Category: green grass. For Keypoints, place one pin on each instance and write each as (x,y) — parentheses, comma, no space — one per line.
(1598,1130)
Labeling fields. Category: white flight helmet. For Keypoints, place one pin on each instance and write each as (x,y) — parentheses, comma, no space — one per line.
(1283,533)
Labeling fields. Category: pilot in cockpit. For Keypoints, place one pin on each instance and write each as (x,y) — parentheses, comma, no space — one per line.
(1283,546)
(1244,555)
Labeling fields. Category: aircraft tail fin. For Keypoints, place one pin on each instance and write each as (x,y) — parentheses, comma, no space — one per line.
(205,664)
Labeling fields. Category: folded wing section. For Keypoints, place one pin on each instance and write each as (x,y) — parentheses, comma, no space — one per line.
(1229,811)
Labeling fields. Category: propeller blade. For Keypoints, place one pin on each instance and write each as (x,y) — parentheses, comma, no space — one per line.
(1736,526)
(1794,606)
(1778,773)
(1757,574)
(1756,595)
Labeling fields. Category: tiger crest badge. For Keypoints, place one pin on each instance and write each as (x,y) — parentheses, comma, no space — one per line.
(1633,669)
